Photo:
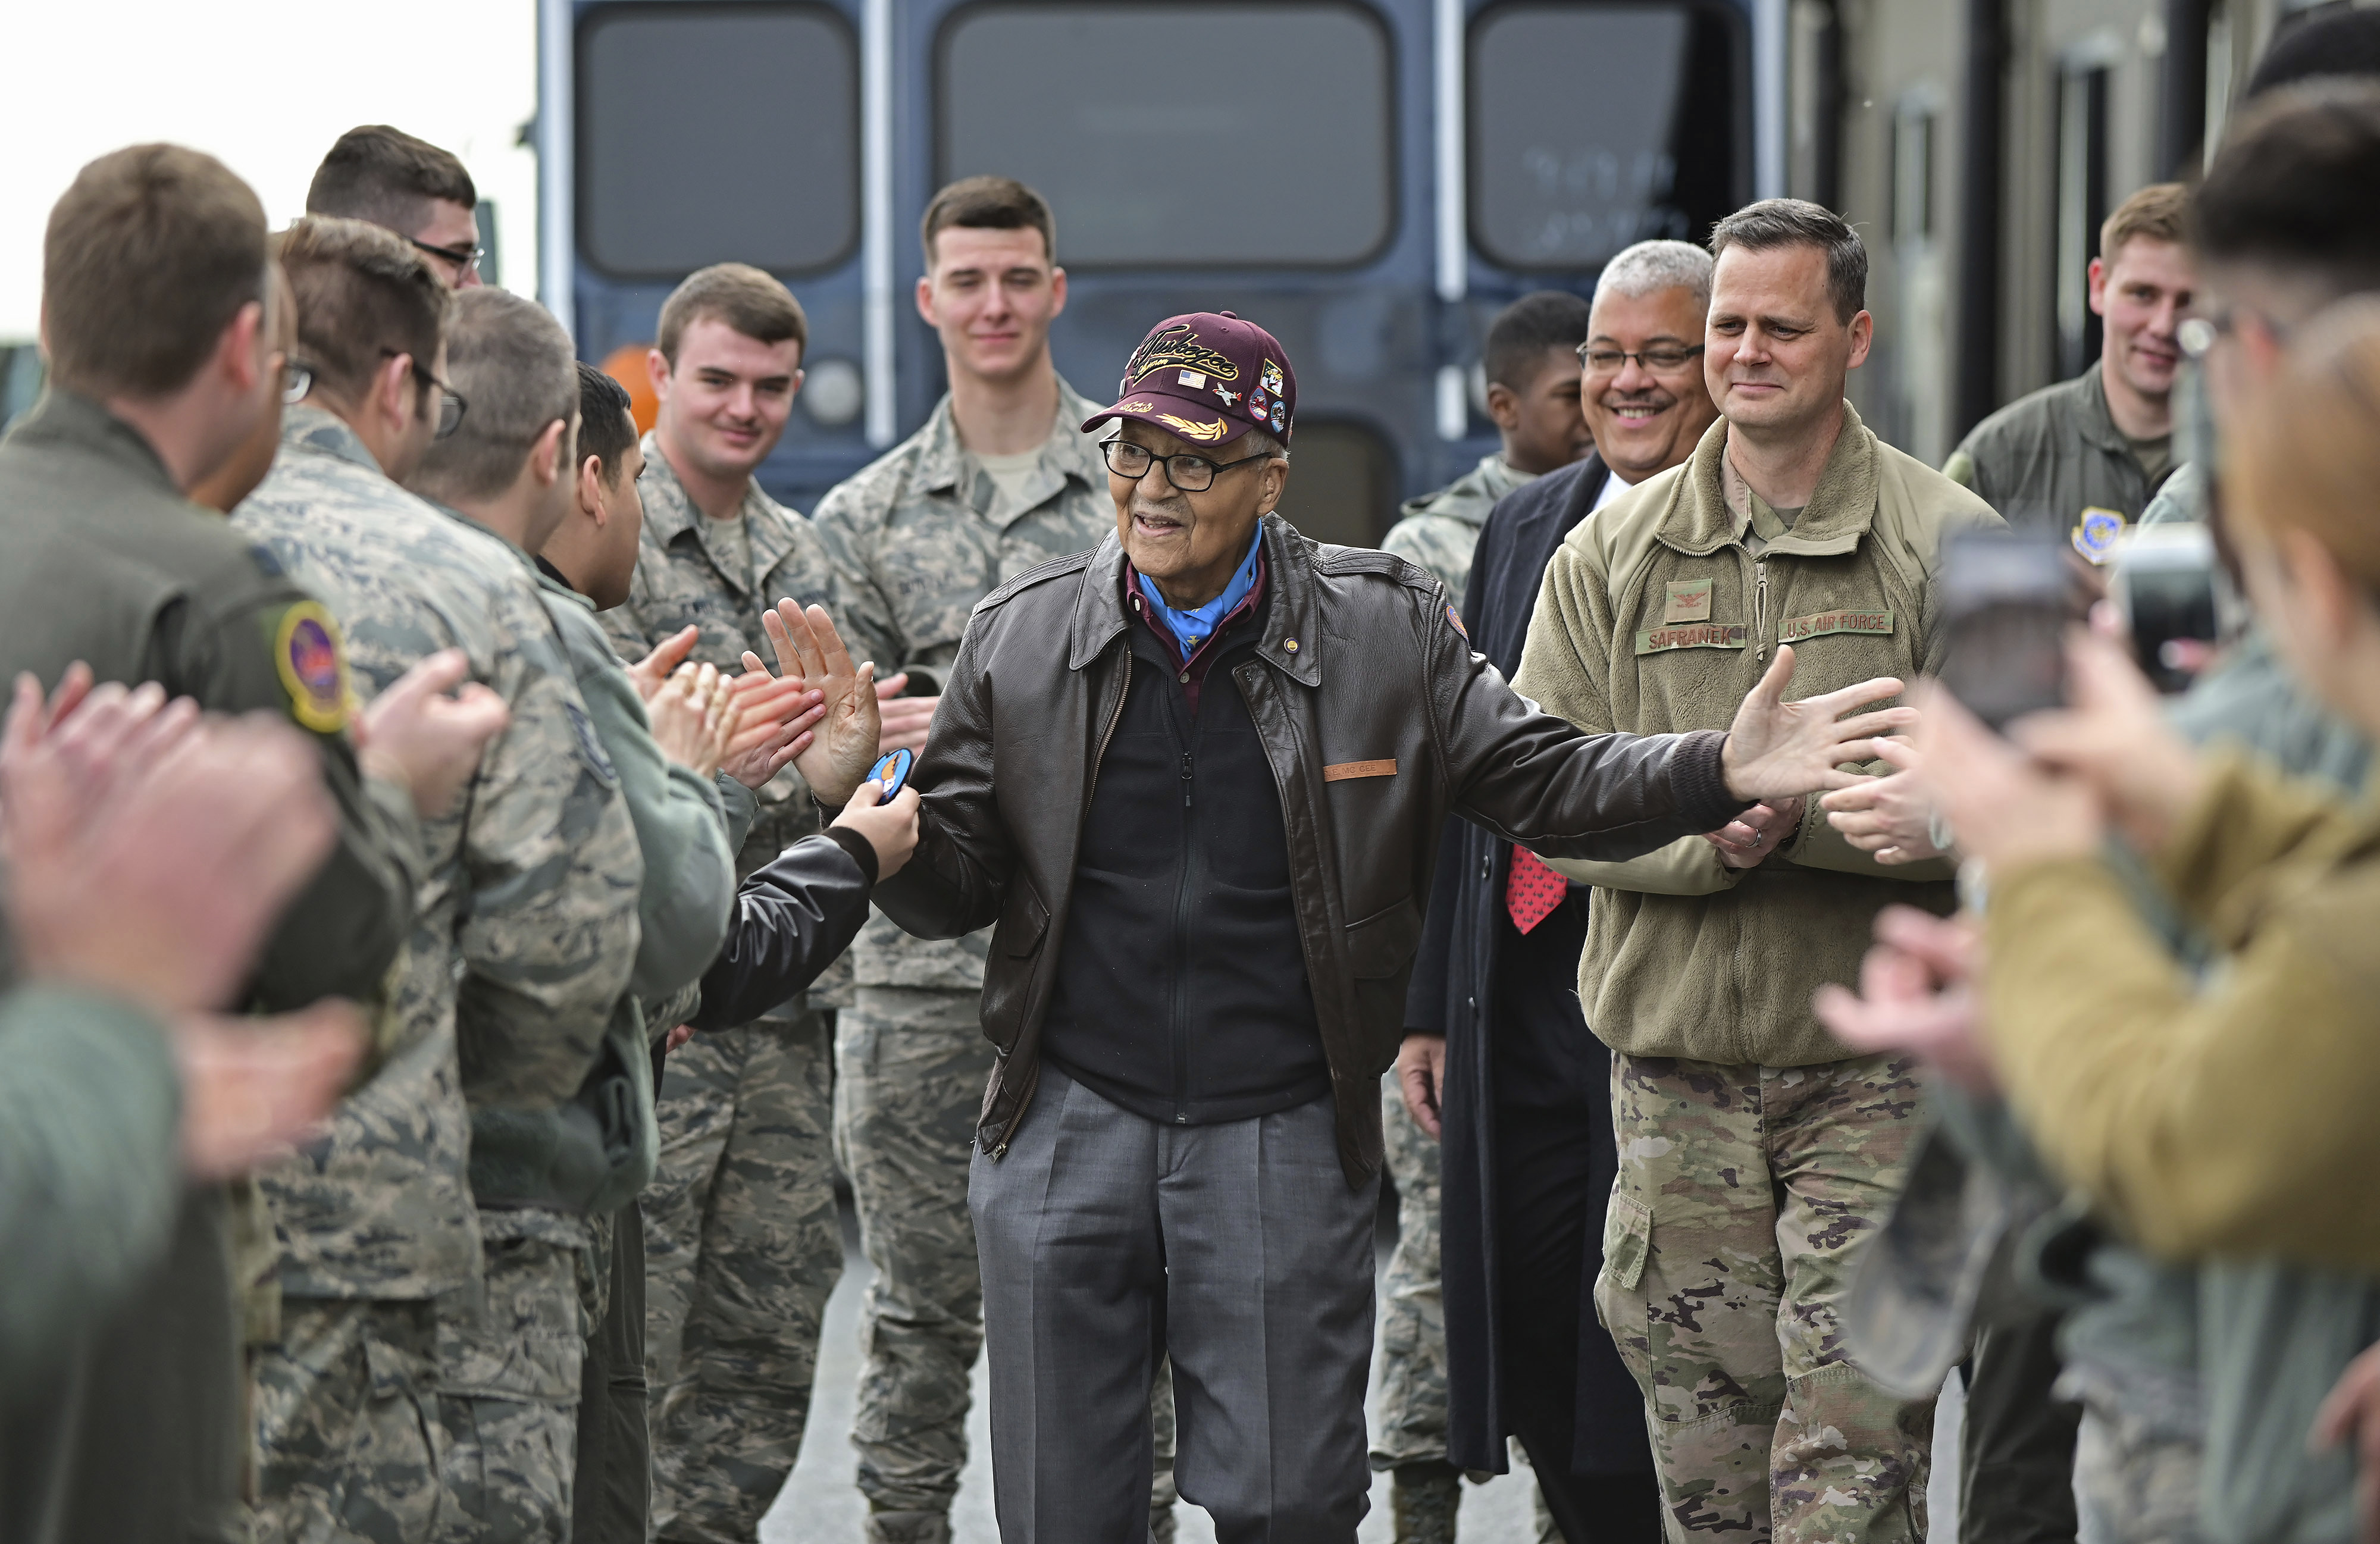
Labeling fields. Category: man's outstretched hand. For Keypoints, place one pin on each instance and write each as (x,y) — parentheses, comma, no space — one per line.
(1778,749)
(843,747)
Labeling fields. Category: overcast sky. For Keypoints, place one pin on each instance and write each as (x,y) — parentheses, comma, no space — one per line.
(266,85)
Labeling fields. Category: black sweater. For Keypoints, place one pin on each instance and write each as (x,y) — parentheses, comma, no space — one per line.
(1182,992)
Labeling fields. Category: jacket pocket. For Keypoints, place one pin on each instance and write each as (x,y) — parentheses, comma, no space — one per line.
(1008,972)
(1383,943)
(1379,958)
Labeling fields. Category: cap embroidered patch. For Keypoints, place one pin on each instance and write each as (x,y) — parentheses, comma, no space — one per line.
(1191,428)
(1229,396)
(313,668)
(1270,377)
(1178,346)
(1194,380)
(1278,416)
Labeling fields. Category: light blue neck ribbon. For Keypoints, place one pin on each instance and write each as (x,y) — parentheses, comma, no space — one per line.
(1190,628)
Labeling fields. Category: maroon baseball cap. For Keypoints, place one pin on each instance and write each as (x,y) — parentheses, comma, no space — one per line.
(1209,377)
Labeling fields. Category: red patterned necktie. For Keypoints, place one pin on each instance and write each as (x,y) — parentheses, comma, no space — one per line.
(1532,890)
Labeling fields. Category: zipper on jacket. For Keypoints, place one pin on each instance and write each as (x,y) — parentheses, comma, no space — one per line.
(1760,606)
(1185,780)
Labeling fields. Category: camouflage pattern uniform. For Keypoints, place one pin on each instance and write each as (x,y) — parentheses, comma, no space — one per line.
(1439,531)
(742,1243)
(919,536)
(1702,1220)
(513,961)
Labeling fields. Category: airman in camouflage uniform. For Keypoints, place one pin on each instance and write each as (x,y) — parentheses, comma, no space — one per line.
(1439,531)
(741,1238)
(921,536)
(522,942)
(1690,1309)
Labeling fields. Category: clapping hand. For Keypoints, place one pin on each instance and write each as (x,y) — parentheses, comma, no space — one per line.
(1891,816)
(1778,749)
(843,745)
(425,741)
(696,717)
(1916,995)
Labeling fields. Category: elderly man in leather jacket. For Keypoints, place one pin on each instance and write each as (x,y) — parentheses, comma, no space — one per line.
(1196,777)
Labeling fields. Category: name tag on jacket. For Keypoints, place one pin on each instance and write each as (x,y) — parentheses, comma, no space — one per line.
(1700,635)
(1793,629)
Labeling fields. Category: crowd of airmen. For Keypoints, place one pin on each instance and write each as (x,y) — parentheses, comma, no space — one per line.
(555,1264)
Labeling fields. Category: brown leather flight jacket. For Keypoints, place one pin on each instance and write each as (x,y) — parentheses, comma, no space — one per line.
(1378,720)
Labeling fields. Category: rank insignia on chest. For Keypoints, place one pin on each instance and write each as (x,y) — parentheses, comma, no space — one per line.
(312,666)
(2098,533)
(1693,635)
(1793,629)
(1689,600)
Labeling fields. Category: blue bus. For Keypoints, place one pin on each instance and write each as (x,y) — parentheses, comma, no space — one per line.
(1371,179)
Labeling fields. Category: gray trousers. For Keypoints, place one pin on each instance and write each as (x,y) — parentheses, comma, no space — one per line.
(1108,1241)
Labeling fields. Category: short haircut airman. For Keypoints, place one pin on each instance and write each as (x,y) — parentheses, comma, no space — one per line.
(149,256)
(511,361)
(607,425)
(748,300)
(989,203)
(2159,212)
(1774,223)
(362,294)
(387,177)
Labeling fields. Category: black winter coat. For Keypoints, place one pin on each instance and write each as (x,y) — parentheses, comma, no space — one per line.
(1453,988)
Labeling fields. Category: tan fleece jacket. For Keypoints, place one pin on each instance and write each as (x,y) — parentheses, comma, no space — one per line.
(1657,617)
(2232,1118)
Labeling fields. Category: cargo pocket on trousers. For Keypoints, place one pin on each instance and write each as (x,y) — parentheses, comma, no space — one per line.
(1627,1242)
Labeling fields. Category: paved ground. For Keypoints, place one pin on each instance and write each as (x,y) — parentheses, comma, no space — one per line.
(820,1505)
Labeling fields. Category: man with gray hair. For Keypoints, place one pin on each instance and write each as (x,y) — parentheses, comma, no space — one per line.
(1498,1063)
(511,1348)
(1755,1151)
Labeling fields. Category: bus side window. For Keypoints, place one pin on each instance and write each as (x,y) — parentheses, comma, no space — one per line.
(1291,148)
(710,134)
(1342,482)
(1562,178)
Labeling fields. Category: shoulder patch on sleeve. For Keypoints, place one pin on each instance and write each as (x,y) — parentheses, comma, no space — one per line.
(590,745)
(1454,620)
(313,666)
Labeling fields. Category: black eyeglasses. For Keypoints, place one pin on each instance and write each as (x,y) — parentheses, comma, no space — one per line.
(1192,474)
(465,259)
(1611,361)
(451,406)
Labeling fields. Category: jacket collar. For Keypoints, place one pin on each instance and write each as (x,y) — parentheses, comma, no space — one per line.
(2096,423)
(70,418)
(669,513)
(944,465)
(1293,617)
(1698,520)
(319,432)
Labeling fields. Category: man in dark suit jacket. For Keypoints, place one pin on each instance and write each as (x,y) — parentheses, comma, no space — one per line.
(1497,1053)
